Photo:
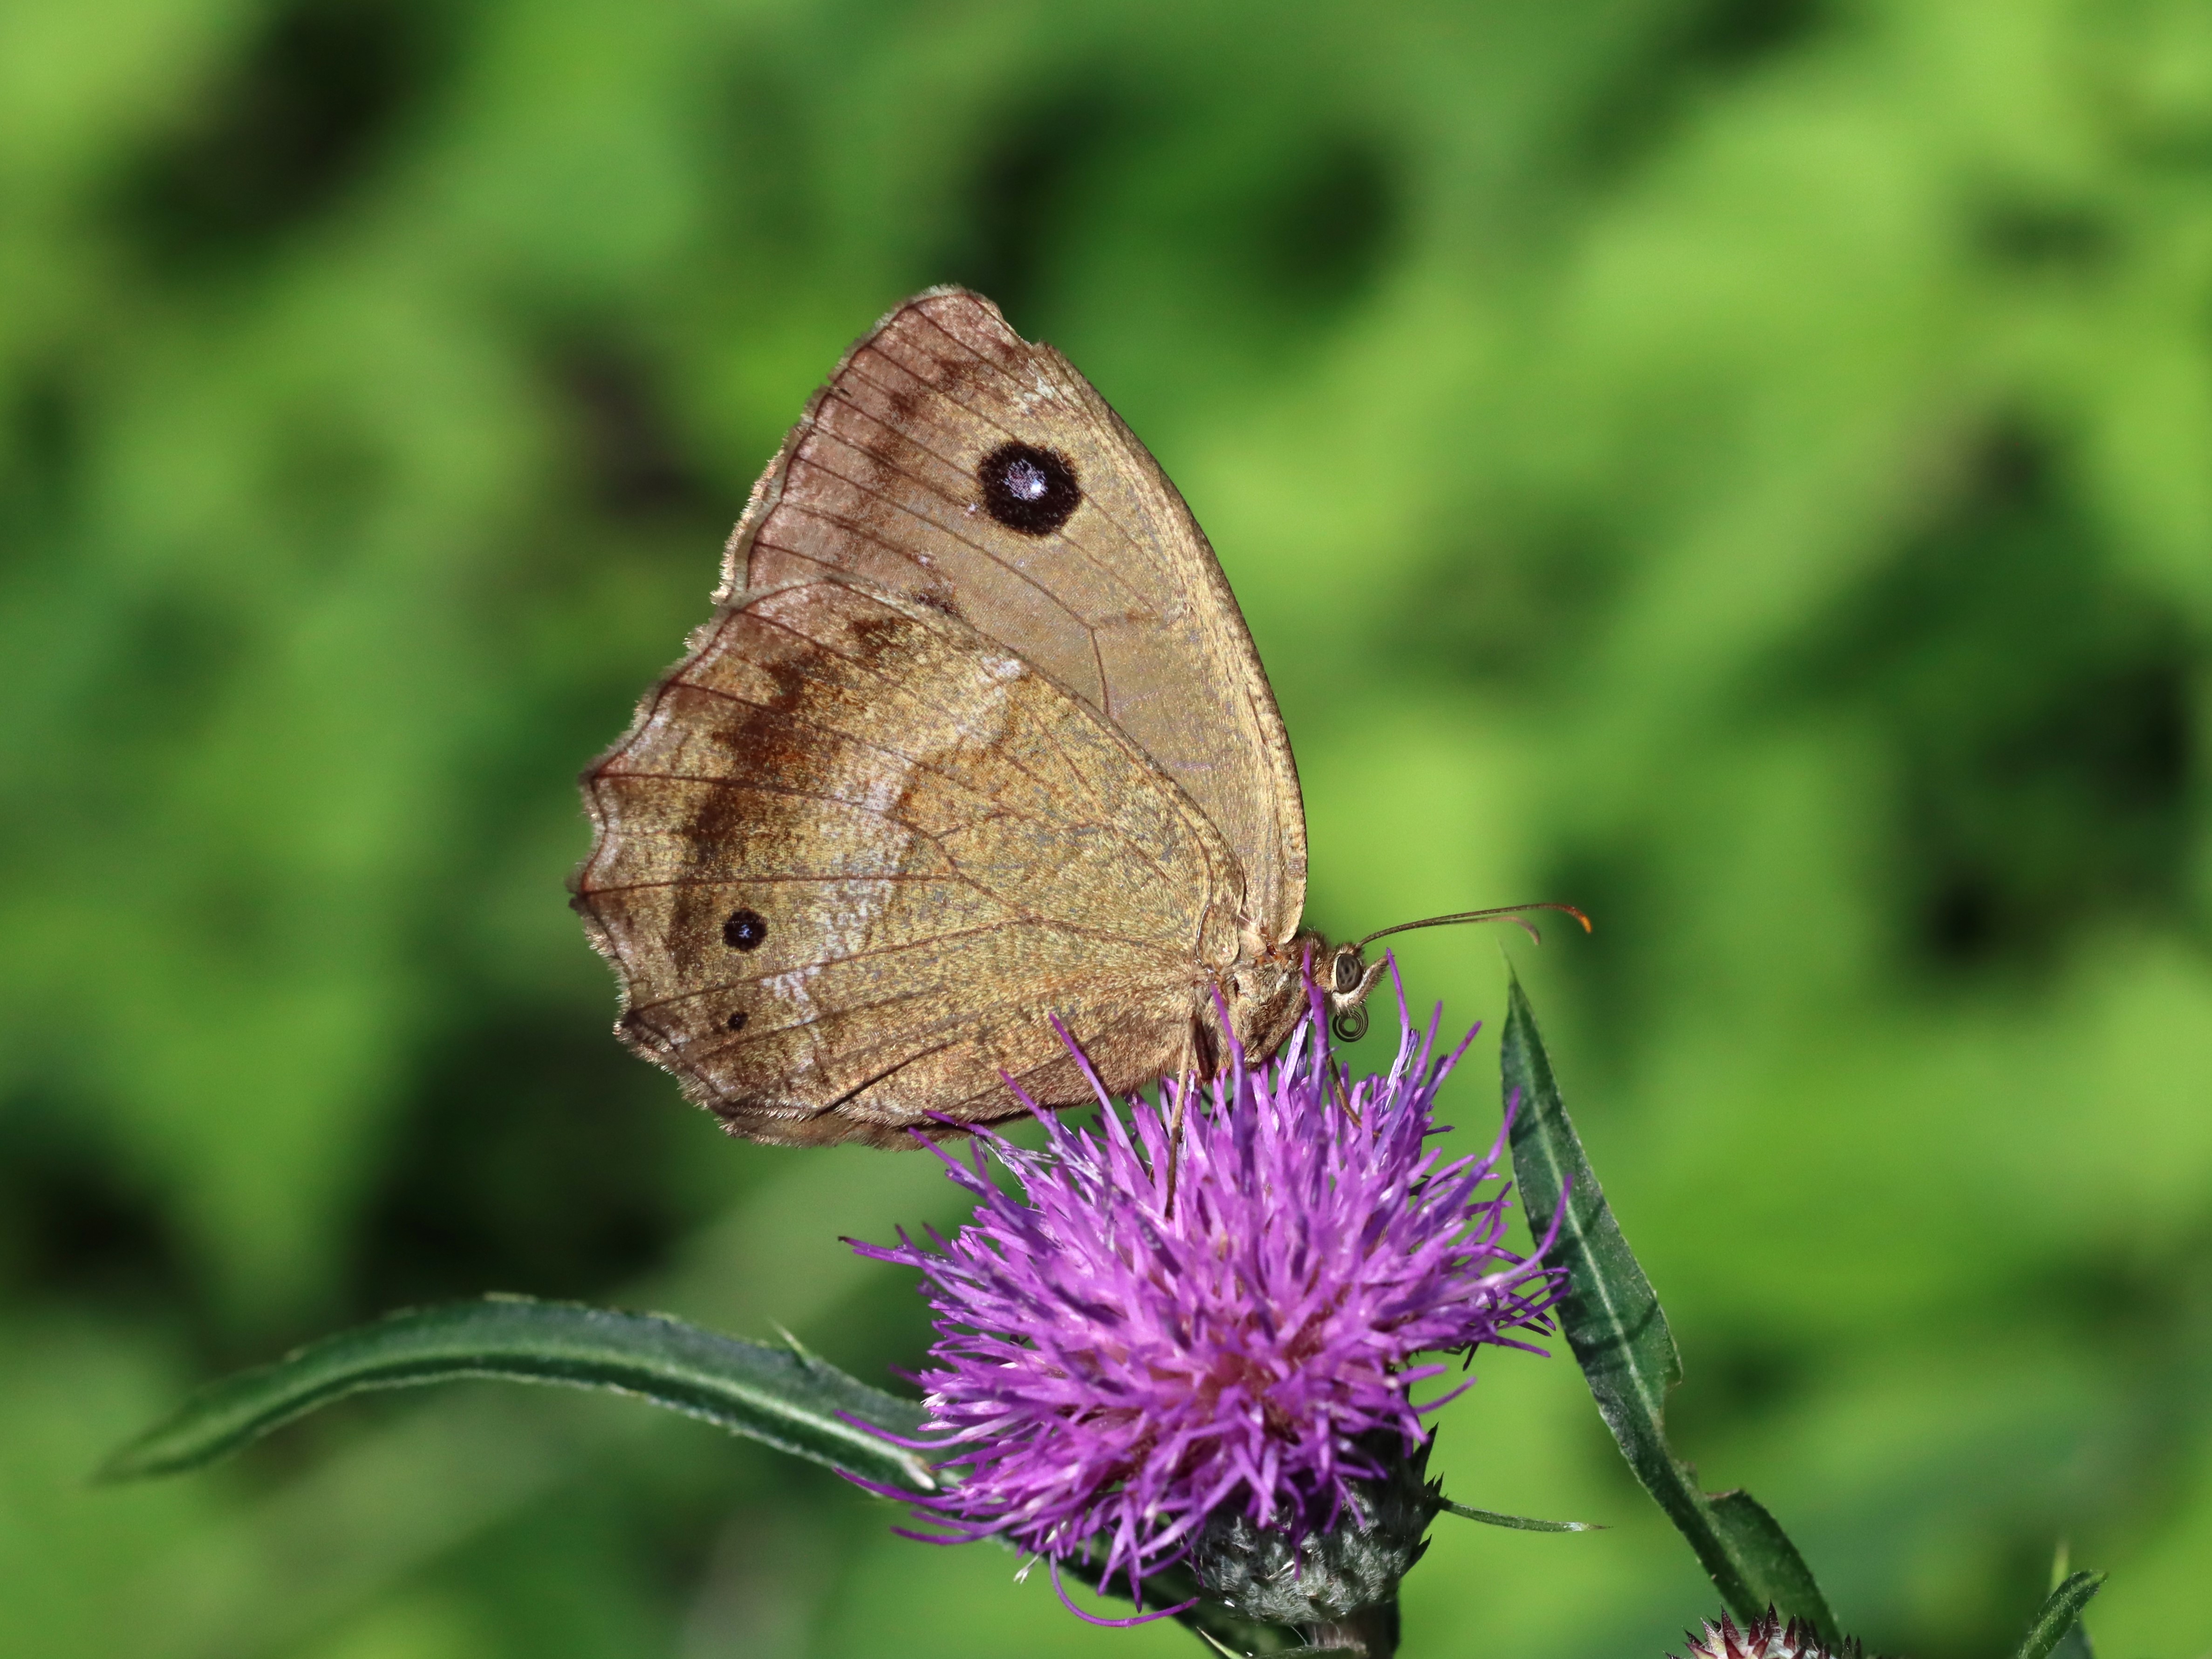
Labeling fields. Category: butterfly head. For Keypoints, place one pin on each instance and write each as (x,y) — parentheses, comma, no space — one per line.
(1348,978)
(1270,999)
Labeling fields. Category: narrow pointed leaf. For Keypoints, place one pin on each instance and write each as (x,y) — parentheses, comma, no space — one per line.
(2060,1616)
(1776,1572)
(782,1395)
(1612,1319)
(2075,1645)
(1518,1522)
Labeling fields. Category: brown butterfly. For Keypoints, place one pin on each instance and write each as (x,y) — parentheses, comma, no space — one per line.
(975,739)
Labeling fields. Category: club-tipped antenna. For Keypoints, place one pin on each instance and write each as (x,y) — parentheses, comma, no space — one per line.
(1513,913)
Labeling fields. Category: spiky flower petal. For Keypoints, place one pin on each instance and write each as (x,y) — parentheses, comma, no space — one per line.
(1113,1368)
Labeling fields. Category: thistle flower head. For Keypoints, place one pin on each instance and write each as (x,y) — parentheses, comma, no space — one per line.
(1115,1366)
(1767,1638)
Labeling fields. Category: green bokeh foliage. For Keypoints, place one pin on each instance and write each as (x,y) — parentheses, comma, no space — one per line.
(1745,465)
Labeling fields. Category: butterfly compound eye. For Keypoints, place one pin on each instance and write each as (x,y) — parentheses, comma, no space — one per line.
(1346,971)
(744,930)
(1029,489)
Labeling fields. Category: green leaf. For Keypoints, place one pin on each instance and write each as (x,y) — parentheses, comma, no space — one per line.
(1518,1522)
(2060,1615)
(784,1396)
(1775,1571)
(2075,1645)
(1613,1322)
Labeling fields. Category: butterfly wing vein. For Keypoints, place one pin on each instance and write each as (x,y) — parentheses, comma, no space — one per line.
(938,775)
(943,851)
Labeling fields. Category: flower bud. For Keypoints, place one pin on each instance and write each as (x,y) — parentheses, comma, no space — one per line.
(1768,1637)
(1332,1571)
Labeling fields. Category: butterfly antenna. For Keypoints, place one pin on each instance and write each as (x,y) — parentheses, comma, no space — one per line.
(1512,913)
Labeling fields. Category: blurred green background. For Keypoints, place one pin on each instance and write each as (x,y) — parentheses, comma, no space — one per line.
(1745,465)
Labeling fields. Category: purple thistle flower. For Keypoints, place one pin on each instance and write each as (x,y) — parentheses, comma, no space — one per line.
(1112,1371)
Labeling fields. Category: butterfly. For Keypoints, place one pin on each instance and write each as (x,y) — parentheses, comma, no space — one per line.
(976,759)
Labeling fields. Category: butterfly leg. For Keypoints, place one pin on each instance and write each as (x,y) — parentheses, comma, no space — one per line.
(1340,1091)
(1175,1135)
(1200,1056)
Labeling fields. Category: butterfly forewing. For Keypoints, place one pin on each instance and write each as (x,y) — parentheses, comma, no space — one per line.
(953,461)
(853,857)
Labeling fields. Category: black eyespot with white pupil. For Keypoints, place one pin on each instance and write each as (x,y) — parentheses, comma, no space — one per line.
(744,930)
(1029,490)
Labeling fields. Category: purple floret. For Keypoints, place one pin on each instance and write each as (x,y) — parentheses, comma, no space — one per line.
(1109,1372)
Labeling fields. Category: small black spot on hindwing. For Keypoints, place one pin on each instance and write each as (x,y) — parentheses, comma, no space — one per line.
(1028,489)
(736,1021)
(744,930)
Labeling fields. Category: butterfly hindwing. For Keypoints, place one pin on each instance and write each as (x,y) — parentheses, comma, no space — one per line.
(852,855)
